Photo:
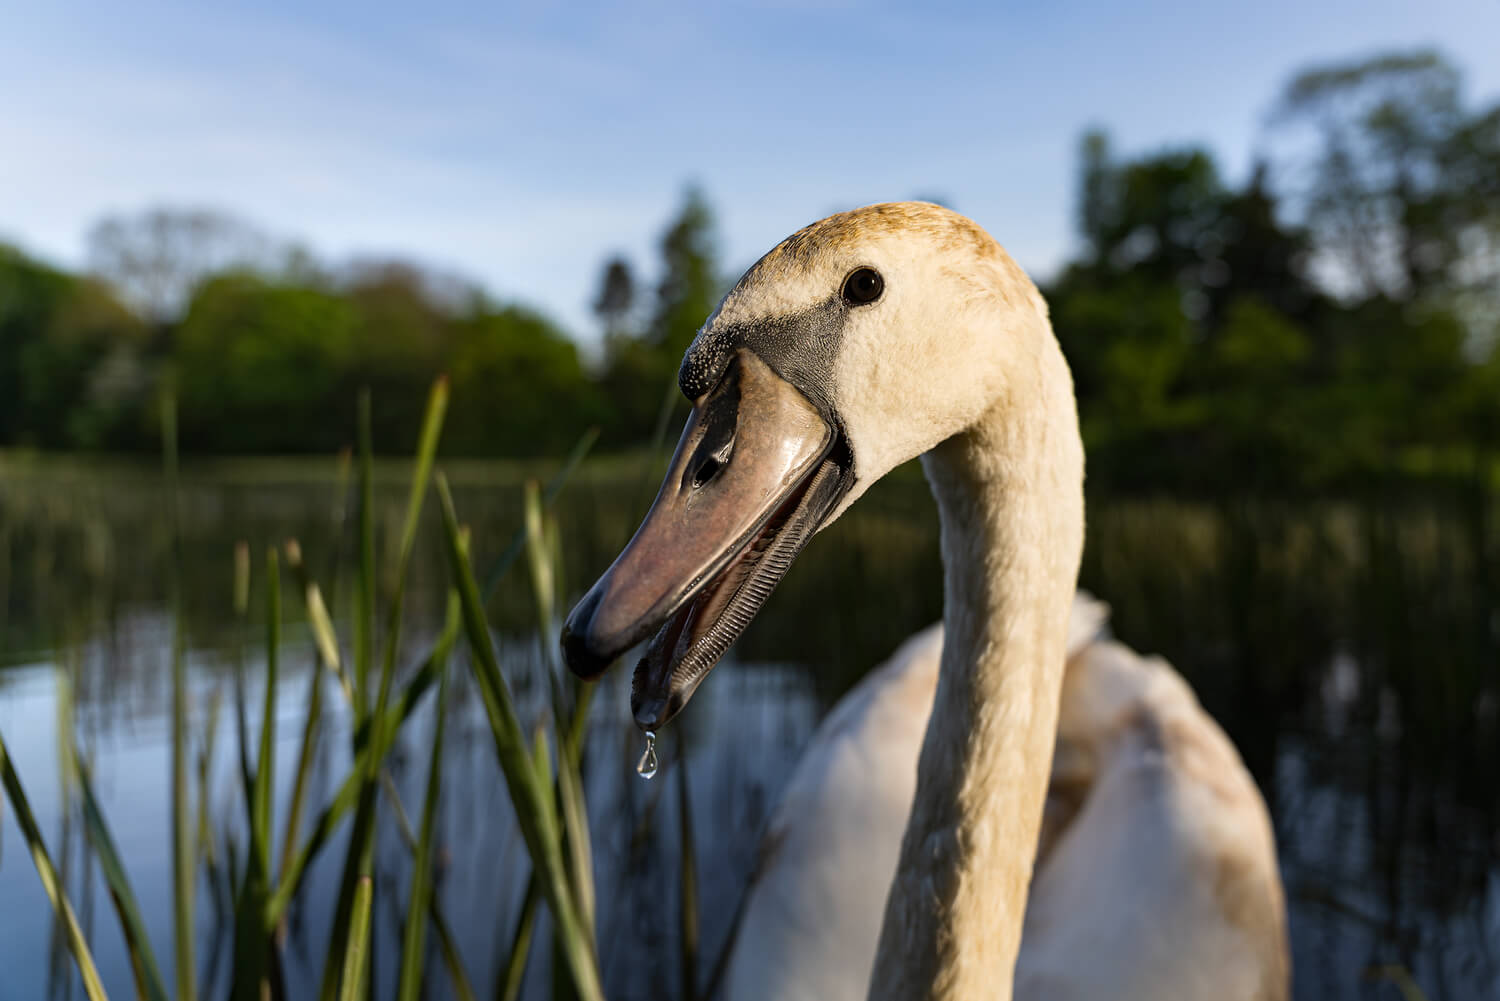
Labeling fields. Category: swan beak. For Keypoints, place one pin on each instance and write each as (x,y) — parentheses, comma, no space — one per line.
(755,473)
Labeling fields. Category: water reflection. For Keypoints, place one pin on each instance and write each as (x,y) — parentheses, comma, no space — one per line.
(1349,647)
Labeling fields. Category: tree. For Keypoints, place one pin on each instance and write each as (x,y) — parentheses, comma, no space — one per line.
(156,258)
(1184,321)
(1402,190)
(518,387)
(29,294)
(616,297)
(690,285)
(403,338)
(1263,258)
(1097,208)
(263,367)
(89,377)
(640,372)
(70,363)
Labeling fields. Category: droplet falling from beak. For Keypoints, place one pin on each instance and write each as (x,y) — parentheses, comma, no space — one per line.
(646,767)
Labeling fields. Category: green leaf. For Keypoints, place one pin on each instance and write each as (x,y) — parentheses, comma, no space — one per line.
(688,879)
(265,762)
(48,873)
(531,799)
(148,981)
(512,552)
(327,647)
(348,792)
(509,985)
(184,855)
(421,873)
(432,427)
(359,937)
(364,613)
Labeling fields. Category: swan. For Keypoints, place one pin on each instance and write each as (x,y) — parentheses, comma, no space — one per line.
(930,844)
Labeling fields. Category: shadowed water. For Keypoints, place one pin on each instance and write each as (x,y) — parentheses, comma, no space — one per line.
(1348,646)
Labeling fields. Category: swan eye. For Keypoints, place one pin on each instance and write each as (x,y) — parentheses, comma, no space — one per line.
(863,286)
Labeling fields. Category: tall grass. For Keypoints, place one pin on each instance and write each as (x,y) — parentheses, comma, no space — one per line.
(542,776)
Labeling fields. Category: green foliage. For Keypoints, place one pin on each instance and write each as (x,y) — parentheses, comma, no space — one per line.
(1258,346)
(1405,176)
(70,358)
(260,896)
(641,369)
(519,386)
(526,772)
(1271,334)
(261,363)
(1158,216)
(690,286)
(616,297)
(56,892)
(257,363)
(1207,350)
(1128,341)
(402,340)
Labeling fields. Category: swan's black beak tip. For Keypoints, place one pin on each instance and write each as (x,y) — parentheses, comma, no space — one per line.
(653,711)
(650,712)
(580,650)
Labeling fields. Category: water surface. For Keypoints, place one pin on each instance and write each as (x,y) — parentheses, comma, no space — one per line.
(1348,646)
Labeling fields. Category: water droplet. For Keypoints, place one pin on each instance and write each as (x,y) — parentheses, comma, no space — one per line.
(646,767)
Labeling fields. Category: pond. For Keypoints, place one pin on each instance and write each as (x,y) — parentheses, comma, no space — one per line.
(1349,646)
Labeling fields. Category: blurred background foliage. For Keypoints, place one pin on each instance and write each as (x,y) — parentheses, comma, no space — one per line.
(1333,318)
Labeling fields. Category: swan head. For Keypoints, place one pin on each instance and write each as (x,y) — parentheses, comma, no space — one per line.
(856,344)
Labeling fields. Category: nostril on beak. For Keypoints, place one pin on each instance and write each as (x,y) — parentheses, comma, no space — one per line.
(706,471)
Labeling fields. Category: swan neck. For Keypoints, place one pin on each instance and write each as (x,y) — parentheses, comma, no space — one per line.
(1009,493)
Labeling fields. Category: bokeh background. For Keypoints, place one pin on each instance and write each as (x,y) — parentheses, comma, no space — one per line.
(1269,236)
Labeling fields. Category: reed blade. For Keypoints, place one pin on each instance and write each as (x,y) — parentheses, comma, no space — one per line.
(420,897)
(359,937)
(451,958)
(1401,977)
(427,442)
(364,601)
(347,795)
(446,944)
(242,722)
(265,761)
(184,855)
(143,966)
(575,820)
(517,546)
(357,878)
(508,987)
(326,644)
(542,556)
(206,850)
(325,636)
(307,745)
(359,864)
(687,877)
(532,800)
(53,886)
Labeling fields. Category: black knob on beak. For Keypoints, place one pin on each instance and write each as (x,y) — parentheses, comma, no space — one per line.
(579,647)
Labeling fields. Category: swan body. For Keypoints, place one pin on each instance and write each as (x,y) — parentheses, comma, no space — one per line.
(1156,859)
(862,341)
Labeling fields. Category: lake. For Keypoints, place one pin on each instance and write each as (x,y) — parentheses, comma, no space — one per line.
(1348,645)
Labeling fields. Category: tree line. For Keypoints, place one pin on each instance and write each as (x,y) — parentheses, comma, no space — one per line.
(1335,315)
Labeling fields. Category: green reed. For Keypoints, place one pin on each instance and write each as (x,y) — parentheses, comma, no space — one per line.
(542,776)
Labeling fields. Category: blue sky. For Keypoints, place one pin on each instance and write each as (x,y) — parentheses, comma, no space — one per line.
(521,144)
